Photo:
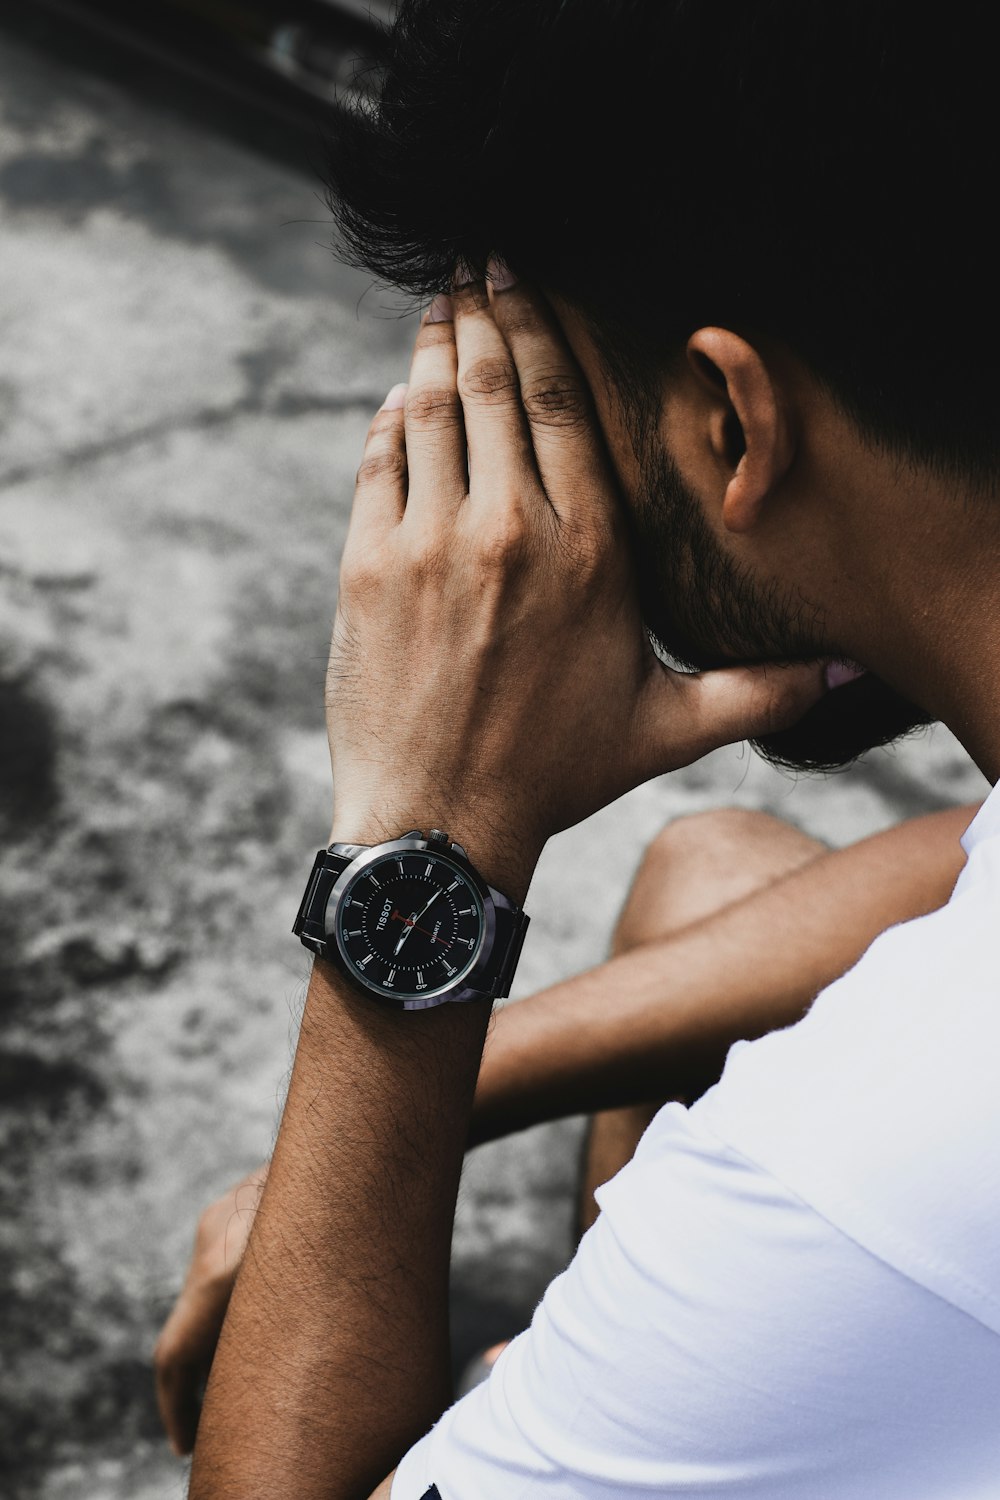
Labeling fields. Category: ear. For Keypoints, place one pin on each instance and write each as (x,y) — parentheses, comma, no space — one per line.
(749,431)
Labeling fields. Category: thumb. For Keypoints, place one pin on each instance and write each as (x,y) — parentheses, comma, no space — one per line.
(688,714)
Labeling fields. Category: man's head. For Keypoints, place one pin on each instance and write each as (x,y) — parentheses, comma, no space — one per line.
(805,179)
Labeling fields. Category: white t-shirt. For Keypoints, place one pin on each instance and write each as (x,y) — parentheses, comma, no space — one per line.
(793,1290)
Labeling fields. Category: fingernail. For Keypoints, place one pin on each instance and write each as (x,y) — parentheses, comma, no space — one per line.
(840,672)
(440,309)
(464,276)
(501,277)
(396,399)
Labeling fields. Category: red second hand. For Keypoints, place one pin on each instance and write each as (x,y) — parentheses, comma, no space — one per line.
(409,922)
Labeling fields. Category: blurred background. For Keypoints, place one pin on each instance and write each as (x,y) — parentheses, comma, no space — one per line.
(186,375)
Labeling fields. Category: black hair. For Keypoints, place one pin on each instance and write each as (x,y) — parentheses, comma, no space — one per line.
(820,172)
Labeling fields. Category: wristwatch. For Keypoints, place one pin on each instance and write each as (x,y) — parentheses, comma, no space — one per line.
(411,921)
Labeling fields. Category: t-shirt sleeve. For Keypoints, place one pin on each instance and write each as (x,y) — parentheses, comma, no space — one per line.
(714,1336)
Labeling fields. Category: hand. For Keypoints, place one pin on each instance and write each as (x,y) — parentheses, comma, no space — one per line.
(183,1354)
(489,669)
(417,917)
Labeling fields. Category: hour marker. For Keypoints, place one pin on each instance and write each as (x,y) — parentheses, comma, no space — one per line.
(449,970)
(421,981)
(454,885)
(427,871)
(355,902)
(400,864)
(390,977)
(355,933)
(366,960)
(469,942)
(377,884)
(466,911)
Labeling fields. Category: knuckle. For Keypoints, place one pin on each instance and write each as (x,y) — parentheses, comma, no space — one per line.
(433,335)
(518,317)
(381,464)
(491,378)
(757,706)
(382,423)
(586,548)
(470,298)
(362,570)
(556,401)
(428,557)
(504,545)
(432,406)
(777,712)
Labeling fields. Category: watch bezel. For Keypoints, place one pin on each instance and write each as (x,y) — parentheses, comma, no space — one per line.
(459,989)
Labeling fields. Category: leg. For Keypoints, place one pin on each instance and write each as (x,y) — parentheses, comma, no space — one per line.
(657,1021)
(697,866)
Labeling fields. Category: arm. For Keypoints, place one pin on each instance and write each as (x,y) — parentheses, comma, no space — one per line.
(334,1354)
(655,1022)
(496,595)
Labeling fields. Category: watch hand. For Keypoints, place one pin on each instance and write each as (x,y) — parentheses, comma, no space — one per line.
(419,916)
(410,924)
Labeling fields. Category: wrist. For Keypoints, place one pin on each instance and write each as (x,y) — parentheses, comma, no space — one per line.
(506,861)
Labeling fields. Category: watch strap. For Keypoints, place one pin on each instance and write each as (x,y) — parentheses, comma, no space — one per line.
(328,866)
(511,928)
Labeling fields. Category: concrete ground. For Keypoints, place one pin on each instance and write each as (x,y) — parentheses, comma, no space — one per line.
(185,379)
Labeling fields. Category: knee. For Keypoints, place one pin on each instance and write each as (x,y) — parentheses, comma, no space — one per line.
(689,836)
(712,838)
(704,861)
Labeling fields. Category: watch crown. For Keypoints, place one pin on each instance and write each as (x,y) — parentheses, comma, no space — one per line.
(437,837)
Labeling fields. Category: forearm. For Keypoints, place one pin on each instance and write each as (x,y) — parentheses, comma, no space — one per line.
(658,1021)
(334,1354)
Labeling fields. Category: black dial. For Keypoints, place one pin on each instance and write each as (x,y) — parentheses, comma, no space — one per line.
(409,924)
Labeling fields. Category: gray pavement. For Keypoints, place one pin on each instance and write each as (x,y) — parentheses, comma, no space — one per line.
(185,379)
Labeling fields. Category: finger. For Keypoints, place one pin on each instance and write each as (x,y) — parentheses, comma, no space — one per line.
(178,1392)
(565,435)
(685,715)
(499,441)
(381,481)
(435,432)
(179,1383)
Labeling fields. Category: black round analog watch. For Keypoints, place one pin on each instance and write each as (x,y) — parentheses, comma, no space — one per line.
(411,921)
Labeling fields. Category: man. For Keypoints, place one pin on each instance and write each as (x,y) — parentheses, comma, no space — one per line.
(730,376)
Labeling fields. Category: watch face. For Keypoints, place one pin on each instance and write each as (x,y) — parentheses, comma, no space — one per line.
(409,925)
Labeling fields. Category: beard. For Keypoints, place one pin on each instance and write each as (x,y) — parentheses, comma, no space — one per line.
(703,611)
